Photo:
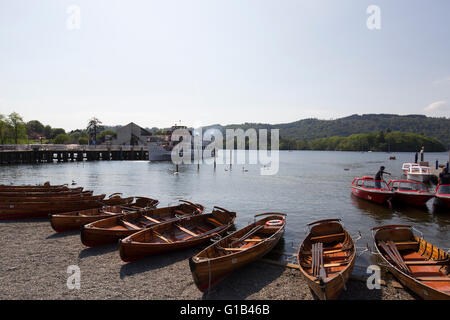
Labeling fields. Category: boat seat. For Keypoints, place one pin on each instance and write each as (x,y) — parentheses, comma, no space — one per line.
(427,262)
(254,240)
(443,278)
(215,222)
(151,219)
(129,225)
(231,249)
(162,237)
(405,242)
(328,236)
(186,230)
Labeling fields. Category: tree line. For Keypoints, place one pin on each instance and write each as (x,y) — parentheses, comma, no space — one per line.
(382,141)
(14,130)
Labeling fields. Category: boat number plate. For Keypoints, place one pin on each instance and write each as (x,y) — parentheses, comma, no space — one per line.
(234,260)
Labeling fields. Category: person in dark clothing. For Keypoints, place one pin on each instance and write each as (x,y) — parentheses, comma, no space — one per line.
(416,157)
(444,177)
(379,177)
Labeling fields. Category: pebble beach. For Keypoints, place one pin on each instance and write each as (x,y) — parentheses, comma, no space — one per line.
(35,261)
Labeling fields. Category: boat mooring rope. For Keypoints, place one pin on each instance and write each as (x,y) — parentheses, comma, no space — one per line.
(343,281)
(209,275)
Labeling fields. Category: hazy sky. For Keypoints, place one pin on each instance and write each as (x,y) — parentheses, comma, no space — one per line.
(228,61)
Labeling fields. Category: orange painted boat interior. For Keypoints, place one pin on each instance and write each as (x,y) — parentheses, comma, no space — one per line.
(427,263)
(338,249)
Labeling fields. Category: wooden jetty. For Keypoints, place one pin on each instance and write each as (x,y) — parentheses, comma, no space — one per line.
(42,153)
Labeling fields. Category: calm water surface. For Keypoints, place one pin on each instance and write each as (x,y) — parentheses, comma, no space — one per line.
(310,185)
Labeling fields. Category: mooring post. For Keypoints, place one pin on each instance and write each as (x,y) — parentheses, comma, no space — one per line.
(198,159)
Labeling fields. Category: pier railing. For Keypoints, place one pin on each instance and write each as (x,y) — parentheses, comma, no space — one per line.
(67,147)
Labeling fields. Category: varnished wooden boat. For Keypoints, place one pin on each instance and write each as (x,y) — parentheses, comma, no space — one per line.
(6,188)
(176,234)
(74,220)
(236,250)
(121,226)
(13,195)
(45,198)
(42,193)
(326,258)
(417,264)
(23,210)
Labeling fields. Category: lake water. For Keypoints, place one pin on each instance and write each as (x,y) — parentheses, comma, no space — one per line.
(310,185)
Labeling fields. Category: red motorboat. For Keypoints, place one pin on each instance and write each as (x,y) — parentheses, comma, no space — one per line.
(368,188)
(442,195)
(410,192)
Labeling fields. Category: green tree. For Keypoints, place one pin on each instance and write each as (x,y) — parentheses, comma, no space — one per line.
(57,131)
(62,138)
(4,128)
(18,127)
(48,132)
(93,128)
(83,141)
(34,126)
(104,133)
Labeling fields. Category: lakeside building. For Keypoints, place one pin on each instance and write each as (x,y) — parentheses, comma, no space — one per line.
(132,135)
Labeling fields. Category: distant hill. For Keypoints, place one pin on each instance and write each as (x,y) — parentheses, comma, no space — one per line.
(310,129)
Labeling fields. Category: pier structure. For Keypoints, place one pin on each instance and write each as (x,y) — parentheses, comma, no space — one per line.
(33,154)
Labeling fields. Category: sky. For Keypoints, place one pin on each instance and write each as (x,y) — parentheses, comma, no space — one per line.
(202,62)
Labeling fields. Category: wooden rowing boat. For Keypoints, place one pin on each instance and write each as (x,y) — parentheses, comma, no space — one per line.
(86,195)
(74,220)
(326,258)
(41,193)
(24,210)
(236,250)
(6,188)
(416,263)
(176,234)
(14,195)
(121,226)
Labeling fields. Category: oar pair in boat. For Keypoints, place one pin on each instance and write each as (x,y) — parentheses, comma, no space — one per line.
(416,263)
(326,258)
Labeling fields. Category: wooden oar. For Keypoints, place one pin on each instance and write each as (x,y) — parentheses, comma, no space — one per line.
(322,272)
(248,234)
(392,256)
(399,256)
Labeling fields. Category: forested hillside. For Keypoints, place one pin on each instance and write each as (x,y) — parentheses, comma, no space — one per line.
(310,129)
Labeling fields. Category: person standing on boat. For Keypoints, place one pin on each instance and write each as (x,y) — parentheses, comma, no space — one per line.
(444,177)
(379,177)
(416,157)
(421,153)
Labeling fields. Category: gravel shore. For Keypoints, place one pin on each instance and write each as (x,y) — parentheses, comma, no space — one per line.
(35,260)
